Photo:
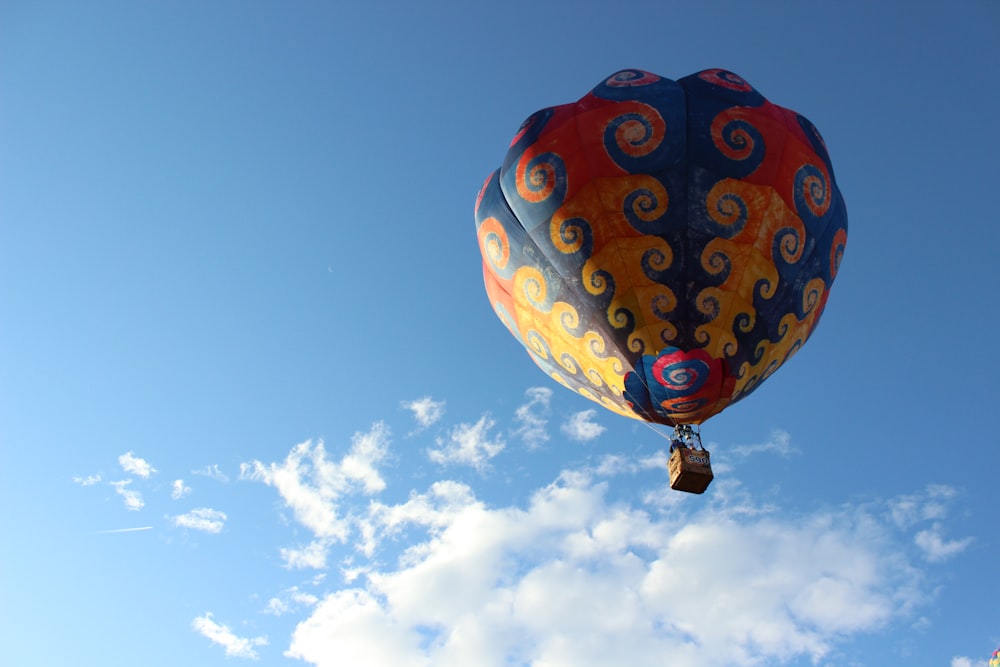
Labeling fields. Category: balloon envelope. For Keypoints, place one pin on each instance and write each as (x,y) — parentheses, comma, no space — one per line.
(662,247)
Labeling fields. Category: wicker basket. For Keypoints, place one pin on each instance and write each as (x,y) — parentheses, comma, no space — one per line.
(690,470)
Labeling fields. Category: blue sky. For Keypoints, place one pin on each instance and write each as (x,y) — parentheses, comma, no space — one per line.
(254,403)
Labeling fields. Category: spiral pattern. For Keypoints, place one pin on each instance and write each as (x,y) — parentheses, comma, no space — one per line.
(662,305)
(532,288)
(493,244)
(812,192)
(573,235)
(537,343)
(645,205)
(717,264)
(727,210)
(634,134)
(725,79)
(655,261)
(682,377)
(569,318)
(788,242)
(633,137)
(600,282)
(540,177)
(736,138)
(812,294)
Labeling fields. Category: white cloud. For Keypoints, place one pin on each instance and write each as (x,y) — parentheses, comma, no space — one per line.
(312,555)
(909,510)
(531,416)
(352,628)
(132,498)
(576,579)
(212,471)
(133,464)
(290,599)
(582,427)
(203,518)
(932,504)
(89,480)
(312,486)
(178,489)
(780,443)
(425,410)
(962,661)
(468,444)
(235,646)
(937,549)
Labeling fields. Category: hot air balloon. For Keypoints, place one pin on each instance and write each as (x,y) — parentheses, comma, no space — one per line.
(662,247)
(995,658)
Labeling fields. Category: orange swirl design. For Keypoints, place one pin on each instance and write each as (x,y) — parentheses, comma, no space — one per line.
(537,182)
(734,135)
(638,132)
(493,243)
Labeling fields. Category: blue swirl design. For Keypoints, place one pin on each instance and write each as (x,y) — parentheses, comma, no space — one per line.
(494,242)
(654,266)
(622,319)
(535,189)
(633,143)
(709,306)
(791,255)
(602,282)
(811,195)
(663,305)
(568,363)
(743,145)
(539,348)
(680,379)
(742,323)
(544,176)
(638,206)
(717,266)
(729,215)
(577,232)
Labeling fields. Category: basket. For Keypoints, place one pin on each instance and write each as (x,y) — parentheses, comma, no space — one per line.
(690,470)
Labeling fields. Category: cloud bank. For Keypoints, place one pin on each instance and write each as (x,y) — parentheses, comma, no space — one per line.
(595,569)
(574,579)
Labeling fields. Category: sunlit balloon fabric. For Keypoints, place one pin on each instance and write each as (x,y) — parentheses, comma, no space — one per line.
(995,659)
(662,247)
